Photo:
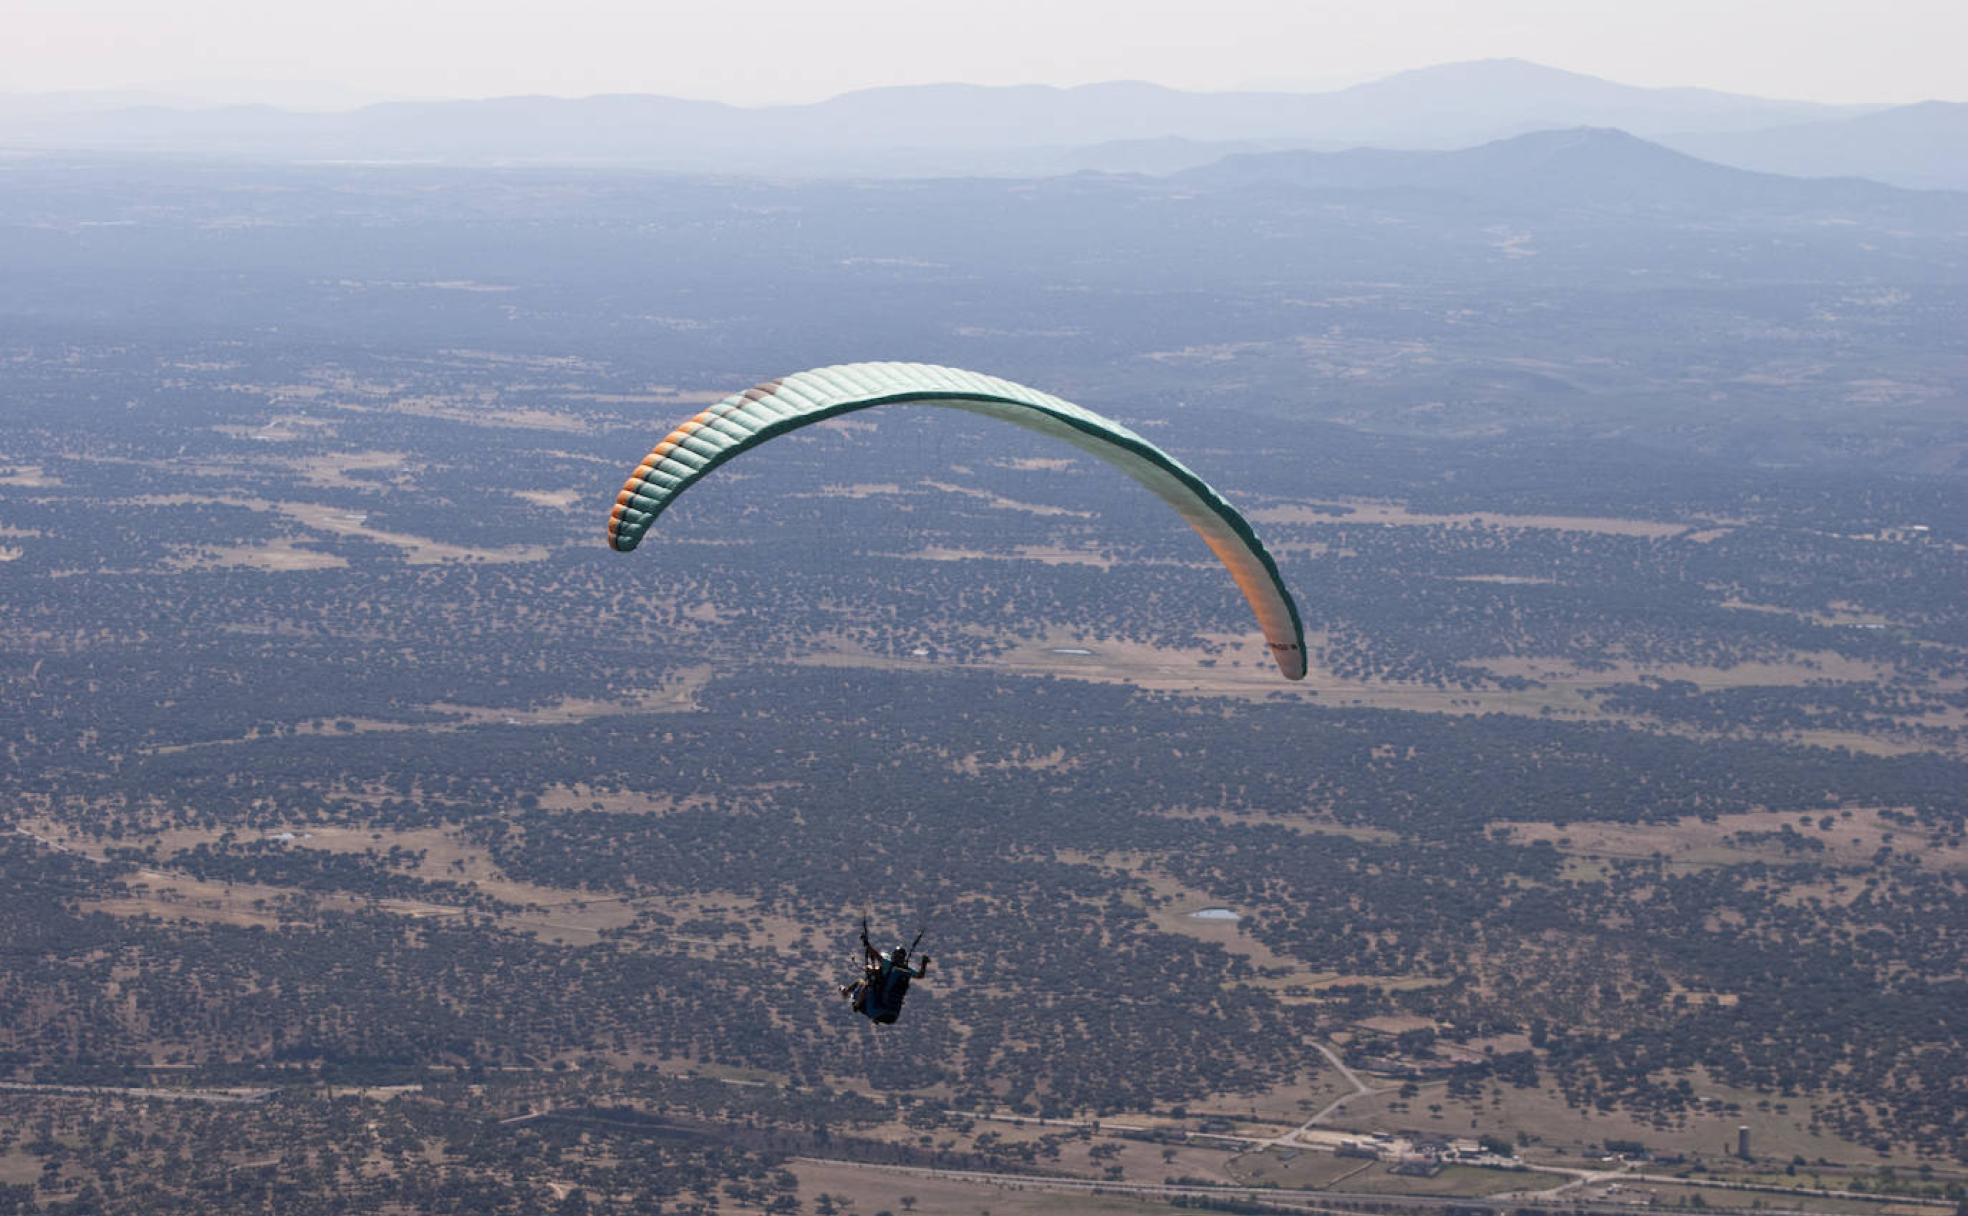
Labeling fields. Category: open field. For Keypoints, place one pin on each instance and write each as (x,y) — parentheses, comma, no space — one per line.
(874,1190)
(1649,1193)
(1851,836)
(1349,512)
(418,550)
(567,917)
(1453,1180)
(1239,667)
(1564,1135)
(280,555)
(1309,1169)
(862,490)
(674,695)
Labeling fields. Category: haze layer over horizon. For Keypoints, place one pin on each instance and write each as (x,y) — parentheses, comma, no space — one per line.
(757,52)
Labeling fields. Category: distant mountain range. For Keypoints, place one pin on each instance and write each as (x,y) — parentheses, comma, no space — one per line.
(955,129)
(1584,168)
(1924,146)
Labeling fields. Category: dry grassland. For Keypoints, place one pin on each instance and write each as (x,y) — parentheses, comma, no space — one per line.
(1455,1180)
(1242,669)
(860,489)
(847,425)
(275,556)
(1002,503)
(335,470)
(1298,1169)
(877,489)
(417,550)
(280,428)
(554,914)
(661,394)
(580,797)
(1045,555)
(676,694)
(874,1190)
(556,500)
(1308,1081)
(1308,823)
(1564,1135)
(1367,511)
(1171,907)
(1794,671)
(481,407)
(1856,833)
(485,411)
(18,1167)
(1049,464)
(1216,352)
(1670,1194)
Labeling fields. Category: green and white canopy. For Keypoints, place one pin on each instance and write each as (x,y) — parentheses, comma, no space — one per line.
(747,419)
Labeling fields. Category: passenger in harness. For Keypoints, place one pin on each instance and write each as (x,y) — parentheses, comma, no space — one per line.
(884,981)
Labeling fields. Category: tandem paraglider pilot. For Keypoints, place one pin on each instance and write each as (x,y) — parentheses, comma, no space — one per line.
(884,981)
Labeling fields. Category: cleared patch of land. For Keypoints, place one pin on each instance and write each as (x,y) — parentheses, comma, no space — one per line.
(1851,836)
(30,476)
(1306,1169)
(339,470)
(1045,555)
(417,550)
(558,500)
(874,489)
(1560,1134)
(340,521)
(481,409)
(676,694)
(1353,511)
(568,917)
(279,555)
(874,1190)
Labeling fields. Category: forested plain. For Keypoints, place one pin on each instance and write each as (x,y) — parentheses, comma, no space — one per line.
(345,761)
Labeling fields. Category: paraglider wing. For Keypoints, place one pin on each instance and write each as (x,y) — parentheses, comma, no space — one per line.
(756,415)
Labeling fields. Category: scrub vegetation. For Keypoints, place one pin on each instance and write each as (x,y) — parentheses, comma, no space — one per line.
(378,840)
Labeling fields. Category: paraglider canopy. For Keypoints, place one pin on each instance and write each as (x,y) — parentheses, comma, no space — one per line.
(745,420)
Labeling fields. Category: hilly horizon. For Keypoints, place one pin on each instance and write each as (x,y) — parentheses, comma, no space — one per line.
(1580,167)
(1920,146)
(927,130)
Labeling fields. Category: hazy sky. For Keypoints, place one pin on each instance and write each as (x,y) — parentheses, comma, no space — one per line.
(759,51)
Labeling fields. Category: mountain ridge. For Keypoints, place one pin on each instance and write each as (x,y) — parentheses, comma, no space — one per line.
(911,128)
(1923,145)
(1591,167)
